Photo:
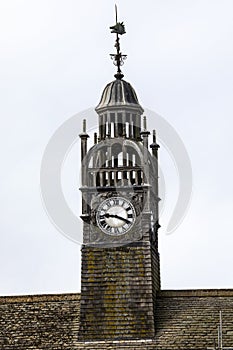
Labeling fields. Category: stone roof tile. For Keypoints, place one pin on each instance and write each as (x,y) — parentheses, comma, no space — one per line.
(185,319)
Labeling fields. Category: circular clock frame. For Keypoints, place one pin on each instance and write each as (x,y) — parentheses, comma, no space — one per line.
(115,216)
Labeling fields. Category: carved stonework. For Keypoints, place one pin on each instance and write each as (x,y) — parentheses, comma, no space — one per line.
(98,237)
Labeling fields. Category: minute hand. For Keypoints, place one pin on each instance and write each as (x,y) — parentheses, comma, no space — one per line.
(117,217)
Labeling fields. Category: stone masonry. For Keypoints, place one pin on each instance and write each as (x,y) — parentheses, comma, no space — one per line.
(117,293)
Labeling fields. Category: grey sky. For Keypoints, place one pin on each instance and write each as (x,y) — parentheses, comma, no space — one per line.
(54,64)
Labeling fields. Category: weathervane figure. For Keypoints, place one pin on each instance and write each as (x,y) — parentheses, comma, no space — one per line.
(118,58)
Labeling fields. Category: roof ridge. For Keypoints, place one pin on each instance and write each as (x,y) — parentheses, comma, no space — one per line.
(39,297)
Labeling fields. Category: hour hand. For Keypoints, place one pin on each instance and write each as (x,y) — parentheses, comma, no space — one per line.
(107,215)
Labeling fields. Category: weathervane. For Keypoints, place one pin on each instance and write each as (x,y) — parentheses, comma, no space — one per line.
(118,58)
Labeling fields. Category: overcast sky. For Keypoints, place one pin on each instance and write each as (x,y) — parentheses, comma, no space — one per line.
(54,63)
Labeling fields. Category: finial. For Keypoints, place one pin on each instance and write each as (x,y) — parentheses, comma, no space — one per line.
(95,138)
(84,134)
(154,145)
(84,125)
(118,58)
(154,136)
(144,123)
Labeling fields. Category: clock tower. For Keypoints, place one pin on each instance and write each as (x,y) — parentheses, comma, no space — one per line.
(120,261)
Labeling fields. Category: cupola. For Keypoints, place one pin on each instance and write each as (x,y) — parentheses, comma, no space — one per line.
(118,93)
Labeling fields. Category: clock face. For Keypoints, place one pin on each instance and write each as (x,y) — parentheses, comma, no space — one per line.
(115,216)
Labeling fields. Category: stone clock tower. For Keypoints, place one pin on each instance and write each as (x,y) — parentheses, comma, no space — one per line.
(120,259)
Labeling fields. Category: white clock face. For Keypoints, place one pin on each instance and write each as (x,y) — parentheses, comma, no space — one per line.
(115,216)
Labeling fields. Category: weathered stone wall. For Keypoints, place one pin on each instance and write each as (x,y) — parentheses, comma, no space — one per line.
(117,296)
(155,265)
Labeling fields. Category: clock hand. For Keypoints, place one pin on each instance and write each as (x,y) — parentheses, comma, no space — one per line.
(123,219)
(107,215)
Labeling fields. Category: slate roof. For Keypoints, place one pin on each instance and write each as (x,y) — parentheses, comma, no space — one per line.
(184,320)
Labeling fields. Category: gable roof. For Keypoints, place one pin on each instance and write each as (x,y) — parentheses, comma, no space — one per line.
(184,320)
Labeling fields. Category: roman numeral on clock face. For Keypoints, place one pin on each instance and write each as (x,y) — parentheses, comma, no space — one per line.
(117,231)
(116,201)
(107,227)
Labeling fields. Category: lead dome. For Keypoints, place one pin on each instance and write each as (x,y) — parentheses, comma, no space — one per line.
(118,93)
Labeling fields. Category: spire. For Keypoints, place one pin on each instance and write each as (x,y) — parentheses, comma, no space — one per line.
(118,58)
